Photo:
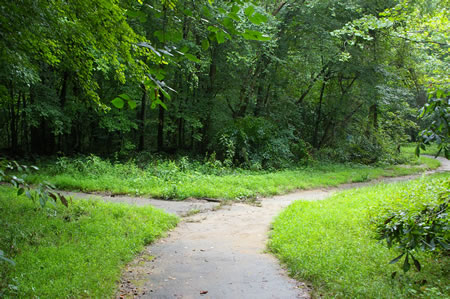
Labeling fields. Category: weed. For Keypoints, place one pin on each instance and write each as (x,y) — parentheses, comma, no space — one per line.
(192,212)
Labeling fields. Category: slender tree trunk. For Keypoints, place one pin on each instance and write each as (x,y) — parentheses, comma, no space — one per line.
(13,120)
(24,124)
(35,143)
(259,101)
(373,114)
(63,93)
(142,117)
(160,138)
(319,115)
(62,101)
(13,128)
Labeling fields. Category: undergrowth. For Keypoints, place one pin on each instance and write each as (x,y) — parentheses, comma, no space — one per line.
(74,252)
(332,243)
(183,178)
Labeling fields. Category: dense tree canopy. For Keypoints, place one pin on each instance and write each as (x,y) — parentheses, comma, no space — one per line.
(260,83)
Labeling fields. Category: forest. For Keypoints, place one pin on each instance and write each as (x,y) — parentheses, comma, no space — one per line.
(261,83)
(224,101)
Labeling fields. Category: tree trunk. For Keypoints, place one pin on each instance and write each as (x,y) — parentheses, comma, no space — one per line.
(142,117)
(373,114)
(319,115)
(160,138)
(13,120)
(24,125)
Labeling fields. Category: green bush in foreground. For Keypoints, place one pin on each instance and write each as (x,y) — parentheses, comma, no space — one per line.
(421,223)
(331,243)
(71,252)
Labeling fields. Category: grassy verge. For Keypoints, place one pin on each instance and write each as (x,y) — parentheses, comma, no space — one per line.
(330,243)
(71,252)
(183,178)
(410,149)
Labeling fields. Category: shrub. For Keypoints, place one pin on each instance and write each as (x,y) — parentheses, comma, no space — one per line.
(255,142)
(417,225)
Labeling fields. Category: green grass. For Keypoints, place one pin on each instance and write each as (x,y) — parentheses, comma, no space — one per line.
(71,252)
(430,150)
(183,178)
(330,244)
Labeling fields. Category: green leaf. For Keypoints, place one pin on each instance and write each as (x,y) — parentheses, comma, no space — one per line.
(254,35)
(249,11)
(416,263)
(212,29)
(42,201)
(184,49)
(20,191)
(228,23)
(205,44)
(125,96)
(258,18)
(220,36)
(160,76)
(406,265)
(192,58)
(63,200)
(118,103)
(132,104)
(161,103)
(234,16)
(3,258)
(396,259)
(166,95)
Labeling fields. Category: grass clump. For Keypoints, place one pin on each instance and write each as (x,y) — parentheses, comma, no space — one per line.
(331,243)
(183,178)
(71,252)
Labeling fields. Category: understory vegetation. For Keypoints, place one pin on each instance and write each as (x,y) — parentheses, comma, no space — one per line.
(333,243)
(261,83)
(183,177)
(71,252)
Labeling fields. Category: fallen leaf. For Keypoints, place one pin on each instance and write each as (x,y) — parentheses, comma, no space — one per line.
(203,292)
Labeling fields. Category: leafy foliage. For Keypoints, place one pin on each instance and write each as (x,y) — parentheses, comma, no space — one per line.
(438,111)
(42,192)
(258,143)
(198,77)
(418,224)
